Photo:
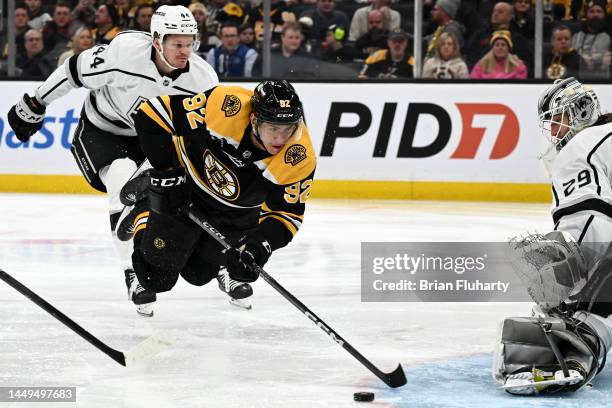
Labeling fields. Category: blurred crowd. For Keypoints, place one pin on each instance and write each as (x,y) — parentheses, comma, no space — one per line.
(339,39)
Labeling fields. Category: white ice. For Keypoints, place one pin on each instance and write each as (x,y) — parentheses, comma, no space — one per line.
(271,356)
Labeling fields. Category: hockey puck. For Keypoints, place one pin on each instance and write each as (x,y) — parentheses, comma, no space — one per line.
(363,396)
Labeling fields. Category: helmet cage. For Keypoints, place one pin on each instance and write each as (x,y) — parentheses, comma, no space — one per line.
(574,108)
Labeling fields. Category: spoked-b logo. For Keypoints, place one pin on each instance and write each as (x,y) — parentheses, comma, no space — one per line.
(486,129)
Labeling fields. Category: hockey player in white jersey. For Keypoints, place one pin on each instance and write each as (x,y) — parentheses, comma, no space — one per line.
(568,272)
(120,76)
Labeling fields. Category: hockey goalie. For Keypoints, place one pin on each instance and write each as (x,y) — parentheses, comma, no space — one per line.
(568,271)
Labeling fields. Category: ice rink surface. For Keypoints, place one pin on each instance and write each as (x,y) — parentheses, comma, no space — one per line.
(271,356)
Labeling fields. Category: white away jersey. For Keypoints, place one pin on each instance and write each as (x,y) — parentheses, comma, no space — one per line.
(582,186)
(121,76)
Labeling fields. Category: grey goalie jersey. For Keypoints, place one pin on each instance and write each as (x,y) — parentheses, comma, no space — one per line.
(121,76)
(582,188)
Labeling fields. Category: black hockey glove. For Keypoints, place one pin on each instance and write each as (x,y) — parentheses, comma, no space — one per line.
(26,117)
(167,191)
(253,249)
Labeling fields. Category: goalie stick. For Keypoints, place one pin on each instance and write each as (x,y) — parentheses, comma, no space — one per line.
(394,379)
(140,352)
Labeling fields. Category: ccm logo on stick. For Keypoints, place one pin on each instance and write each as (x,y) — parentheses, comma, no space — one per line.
(325,328)
(471,136)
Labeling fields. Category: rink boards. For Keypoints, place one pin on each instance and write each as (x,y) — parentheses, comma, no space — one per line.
(395,141)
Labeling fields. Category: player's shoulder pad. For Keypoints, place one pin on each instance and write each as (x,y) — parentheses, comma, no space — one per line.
(590,145)
(130,49)
(203,72)
(377,56)
(228,111)
(295,162)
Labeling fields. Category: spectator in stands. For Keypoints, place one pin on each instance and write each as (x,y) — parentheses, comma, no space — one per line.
(142,18)
(360,24)
(446,62)
(85,11)
(21,27)
(59,31)
(334,47)
(393,62)
(81,41)
(221,12)
(323,16)
(39,14)
(125,12)
(280,13)
(208,40)
(375,38)
(35,63)
(232,59)
(469,17)
(561,61)
(106,22)
(443,15)
(288,60)
(213,7)
(501,19)
(524,18)
(247,36)
(593,42)
(499,62)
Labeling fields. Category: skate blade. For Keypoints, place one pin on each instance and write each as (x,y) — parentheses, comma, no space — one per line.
(149,347)
(241,303)
(145,310)
(574,378)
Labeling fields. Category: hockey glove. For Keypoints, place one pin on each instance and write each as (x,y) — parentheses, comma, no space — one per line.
(26,117)
(255,250)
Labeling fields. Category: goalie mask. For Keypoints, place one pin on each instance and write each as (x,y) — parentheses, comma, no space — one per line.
(565,109)
(173,20)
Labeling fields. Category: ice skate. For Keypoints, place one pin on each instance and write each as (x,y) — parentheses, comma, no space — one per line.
(239,292)
(142,298)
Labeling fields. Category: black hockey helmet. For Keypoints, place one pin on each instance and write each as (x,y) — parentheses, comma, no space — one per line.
(277,102)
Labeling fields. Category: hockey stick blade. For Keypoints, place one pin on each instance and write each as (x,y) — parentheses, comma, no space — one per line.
(147,348)
(394,379)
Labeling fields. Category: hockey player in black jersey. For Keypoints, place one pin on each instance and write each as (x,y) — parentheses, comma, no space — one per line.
(243,158)
(120,76)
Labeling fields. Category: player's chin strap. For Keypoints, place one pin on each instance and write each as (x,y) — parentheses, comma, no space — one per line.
(160,52)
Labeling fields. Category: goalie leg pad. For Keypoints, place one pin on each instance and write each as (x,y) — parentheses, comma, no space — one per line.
(596,296)
(580,342)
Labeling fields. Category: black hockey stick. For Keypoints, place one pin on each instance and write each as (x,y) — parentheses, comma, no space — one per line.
(147,348)
(394,379)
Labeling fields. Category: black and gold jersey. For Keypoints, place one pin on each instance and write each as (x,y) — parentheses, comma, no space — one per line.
(209,135)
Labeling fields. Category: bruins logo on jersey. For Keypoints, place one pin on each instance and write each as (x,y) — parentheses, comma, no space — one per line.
(295,154)
(219,178)
(231,105)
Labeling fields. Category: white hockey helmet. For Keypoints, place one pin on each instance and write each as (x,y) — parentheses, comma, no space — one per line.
(168,20)
(567,98)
